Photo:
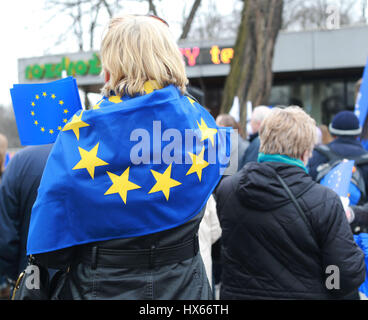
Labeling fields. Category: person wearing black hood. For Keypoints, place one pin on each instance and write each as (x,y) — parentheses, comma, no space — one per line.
(282,232)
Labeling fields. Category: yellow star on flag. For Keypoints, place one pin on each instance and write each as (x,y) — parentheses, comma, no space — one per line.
(44,94)
(37,96)
(33,104)
(207,133)
(36,122)
(75,124)
(89,160)
(97,106)
(198,164)
(164,182)
(32,113)
(121,184)
(42,129)
(115,99)
(51,131)
(53,96)
(150,86)
(191,101)
(66,111)
(61,102)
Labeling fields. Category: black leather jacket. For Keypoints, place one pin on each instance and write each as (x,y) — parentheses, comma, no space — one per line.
(99,279)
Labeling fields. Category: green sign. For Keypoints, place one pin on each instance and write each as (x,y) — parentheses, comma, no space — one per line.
(73,68)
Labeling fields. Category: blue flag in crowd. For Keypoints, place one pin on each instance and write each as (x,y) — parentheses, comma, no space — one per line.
(42,109)
(362,241)
(338,179)
(7,159)
(124,170)
(361,106)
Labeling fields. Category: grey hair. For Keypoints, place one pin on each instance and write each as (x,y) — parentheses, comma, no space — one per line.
(260,113)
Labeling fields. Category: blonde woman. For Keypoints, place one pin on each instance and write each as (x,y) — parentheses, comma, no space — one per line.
(285,236)
(115,209)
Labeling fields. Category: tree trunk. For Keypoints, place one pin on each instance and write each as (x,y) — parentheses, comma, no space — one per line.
(250,76)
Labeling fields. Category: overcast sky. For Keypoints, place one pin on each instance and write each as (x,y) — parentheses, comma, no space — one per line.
(18,38)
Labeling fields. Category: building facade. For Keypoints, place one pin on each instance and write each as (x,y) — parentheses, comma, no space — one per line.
(317,70)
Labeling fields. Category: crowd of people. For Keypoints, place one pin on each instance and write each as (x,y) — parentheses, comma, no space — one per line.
(278,230)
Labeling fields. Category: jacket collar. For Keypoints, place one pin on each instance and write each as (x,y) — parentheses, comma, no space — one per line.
(281,158)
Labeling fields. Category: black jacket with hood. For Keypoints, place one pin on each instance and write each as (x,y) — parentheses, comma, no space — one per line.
(268,250)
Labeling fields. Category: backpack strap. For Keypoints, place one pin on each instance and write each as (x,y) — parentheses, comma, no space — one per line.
(328,153)
(333,156)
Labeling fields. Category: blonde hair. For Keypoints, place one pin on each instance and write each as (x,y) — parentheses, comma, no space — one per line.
(137,49)
(289,132)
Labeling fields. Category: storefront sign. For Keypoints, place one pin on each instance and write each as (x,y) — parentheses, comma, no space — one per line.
(73,68)
(194,56)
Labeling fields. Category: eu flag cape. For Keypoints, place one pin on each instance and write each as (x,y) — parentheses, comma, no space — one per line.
(112,175)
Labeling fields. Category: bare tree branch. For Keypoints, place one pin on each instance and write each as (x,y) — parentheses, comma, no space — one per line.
(108,8)
(189,20)
(152,7)
(93,24)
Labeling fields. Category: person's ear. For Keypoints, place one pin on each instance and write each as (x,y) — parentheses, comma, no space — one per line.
(306,156)
(107,76)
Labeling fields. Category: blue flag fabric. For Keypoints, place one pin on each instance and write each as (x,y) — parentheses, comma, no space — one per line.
(338,179)
(41,110)
(362,241)
(361,105)
(7,159)
(124,170)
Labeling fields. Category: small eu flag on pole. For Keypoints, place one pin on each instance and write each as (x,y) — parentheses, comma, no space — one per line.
(42,110)
(338,179)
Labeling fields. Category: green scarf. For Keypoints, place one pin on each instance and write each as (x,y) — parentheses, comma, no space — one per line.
(281,158)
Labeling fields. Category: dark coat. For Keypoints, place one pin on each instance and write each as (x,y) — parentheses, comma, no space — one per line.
(184,280)
(251,154)
(268,250)
(18,192)
(360,222)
